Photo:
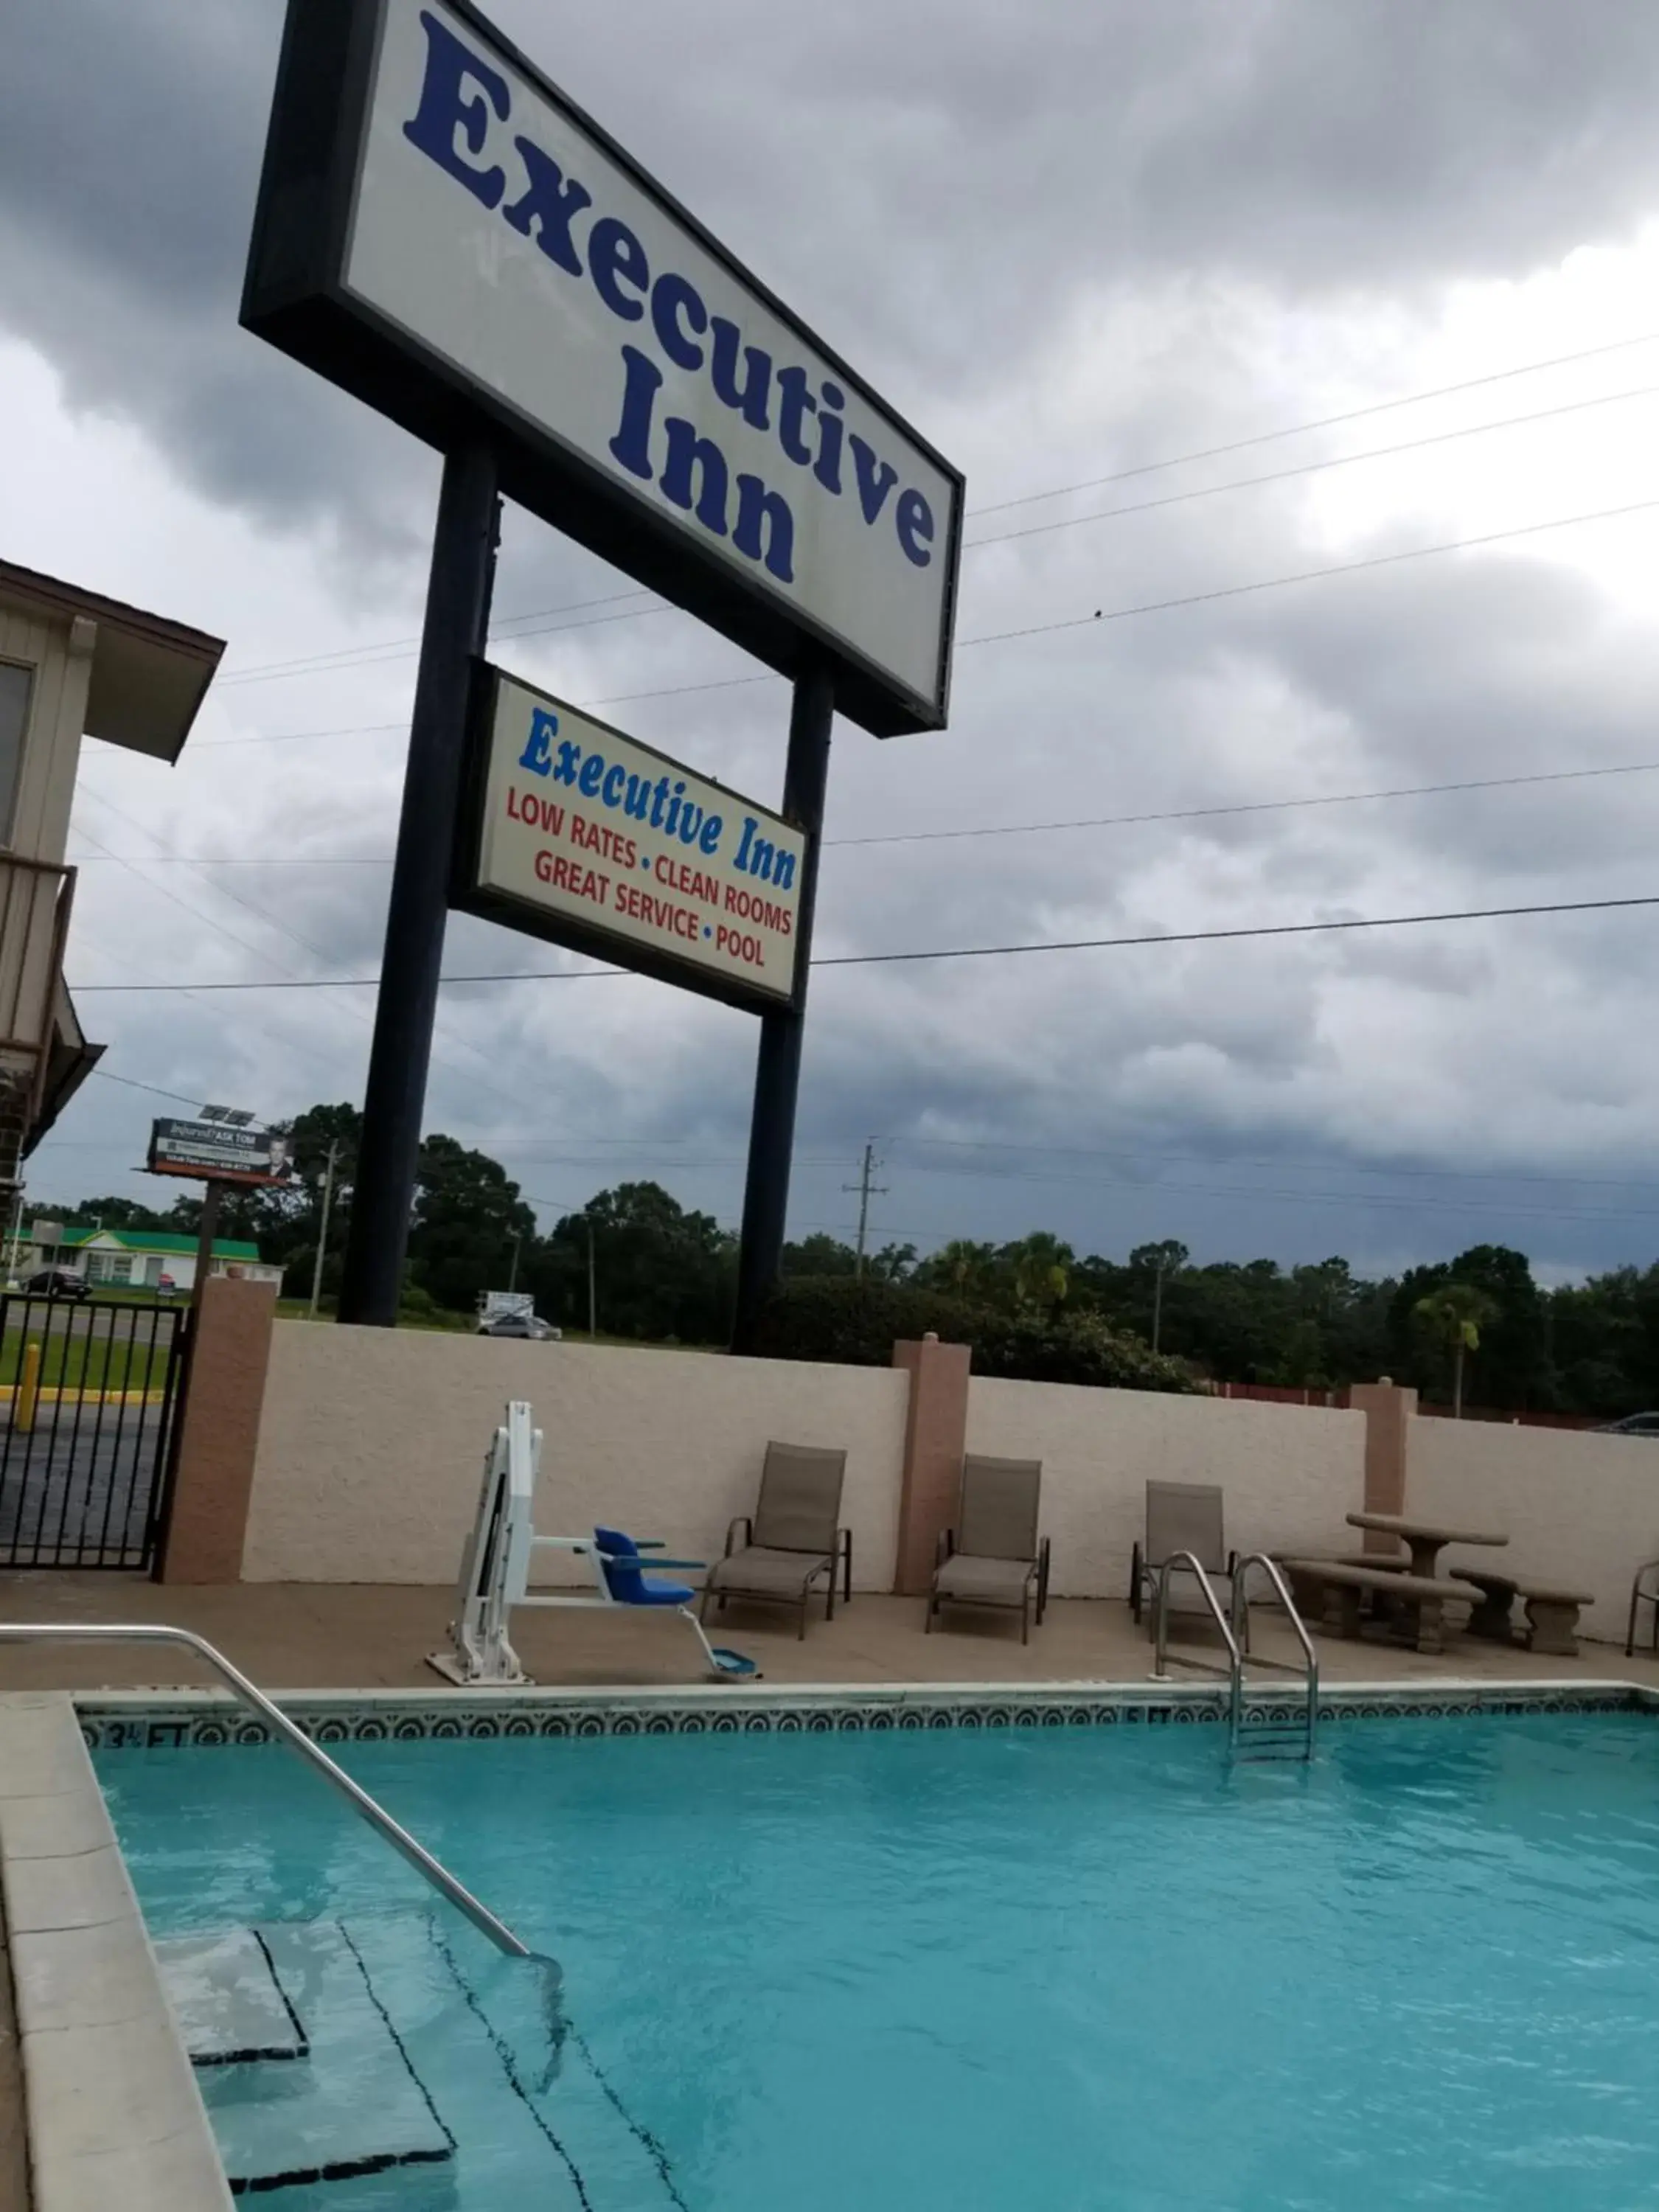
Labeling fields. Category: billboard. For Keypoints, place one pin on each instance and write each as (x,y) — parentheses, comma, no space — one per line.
(574,833)
(218,1151)
(443,233)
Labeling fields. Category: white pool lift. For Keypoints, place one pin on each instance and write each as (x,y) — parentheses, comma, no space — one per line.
(496,1560)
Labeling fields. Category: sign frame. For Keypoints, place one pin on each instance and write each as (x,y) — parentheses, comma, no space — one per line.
(295,297)
(198,1171)
(468,896)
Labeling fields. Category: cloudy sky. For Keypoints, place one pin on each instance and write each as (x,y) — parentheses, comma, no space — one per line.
(1078,247)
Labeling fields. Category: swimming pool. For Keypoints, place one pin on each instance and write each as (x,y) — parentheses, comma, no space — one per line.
(1071,1967)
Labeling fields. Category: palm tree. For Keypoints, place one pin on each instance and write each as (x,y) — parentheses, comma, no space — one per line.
(1041,1269)
(964,1267)
(1453,1315)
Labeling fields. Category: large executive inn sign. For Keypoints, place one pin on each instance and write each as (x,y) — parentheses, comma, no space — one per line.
(442,233)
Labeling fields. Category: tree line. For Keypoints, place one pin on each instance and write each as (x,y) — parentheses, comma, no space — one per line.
(641,1265)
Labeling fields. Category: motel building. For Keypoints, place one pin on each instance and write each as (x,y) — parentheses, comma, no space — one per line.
(142,1258)
(73,665)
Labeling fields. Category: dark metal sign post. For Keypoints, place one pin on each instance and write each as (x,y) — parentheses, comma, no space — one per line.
(777,1069)
(455,632)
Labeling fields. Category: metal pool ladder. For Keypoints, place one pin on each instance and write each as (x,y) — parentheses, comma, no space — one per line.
(295,1738)
(1272,1739)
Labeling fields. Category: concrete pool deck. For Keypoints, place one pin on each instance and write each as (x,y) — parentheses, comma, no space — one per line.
(288,1636)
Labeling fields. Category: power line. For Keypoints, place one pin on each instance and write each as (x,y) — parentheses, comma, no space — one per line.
(1308,468)
(299,737)
(351,657)
(963,951)
(1003,828)
(1385,1202)
(441,1039)
(1189,598)
(104,1075)
(579,1147)
(1220,936)
(1306,575)
(1280,1163)
(1328,422)
(1244,806)
(396,648)
(350,653)
(1139,607)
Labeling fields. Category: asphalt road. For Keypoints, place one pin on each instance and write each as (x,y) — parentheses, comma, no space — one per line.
(54,1319)
(78,1496)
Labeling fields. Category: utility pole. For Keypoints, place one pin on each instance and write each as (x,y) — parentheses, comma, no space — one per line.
(593,1285)
(513,1272)
(1158,1303)
(866,1190)
(322,1233)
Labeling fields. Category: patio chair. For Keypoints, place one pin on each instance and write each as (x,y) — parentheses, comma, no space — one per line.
(1644,1591)
(1181,1516)
(993,1556)
(792,1539)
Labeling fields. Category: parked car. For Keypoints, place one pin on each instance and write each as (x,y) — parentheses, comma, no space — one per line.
(57,1283)
(1633,1425)
(519,1324)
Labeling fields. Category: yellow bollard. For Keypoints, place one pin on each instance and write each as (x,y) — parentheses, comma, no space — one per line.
(28,1389)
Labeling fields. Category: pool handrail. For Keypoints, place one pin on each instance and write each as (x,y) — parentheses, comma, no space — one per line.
(1234,1670)
(295,1738)
(1310,1667)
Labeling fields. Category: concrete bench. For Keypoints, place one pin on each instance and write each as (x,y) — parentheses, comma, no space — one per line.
(1343,1588)
(1551,1614)
(1307,1585)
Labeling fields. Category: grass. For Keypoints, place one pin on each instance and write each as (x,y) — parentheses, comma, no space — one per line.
(88,1364)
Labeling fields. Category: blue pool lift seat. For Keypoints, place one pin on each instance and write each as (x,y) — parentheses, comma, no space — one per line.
(624,1577)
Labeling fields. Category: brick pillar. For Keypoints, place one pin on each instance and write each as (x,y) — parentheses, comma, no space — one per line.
(935,1437)
(220,1435)
(1390,1409)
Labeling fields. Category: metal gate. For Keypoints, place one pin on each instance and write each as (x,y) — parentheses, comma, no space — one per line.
(88,1393)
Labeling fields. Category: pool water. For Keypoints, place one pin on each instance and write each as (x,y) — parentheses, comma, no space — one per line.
(1060,1967)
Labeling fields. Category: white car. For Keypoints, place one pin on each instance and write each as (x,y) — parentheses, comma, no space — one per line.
(519,1324)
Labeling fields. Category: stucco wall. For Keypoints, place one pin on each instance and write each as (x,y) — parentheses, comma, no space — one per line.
(1289,1472)
(373,1441)
(1580,1511)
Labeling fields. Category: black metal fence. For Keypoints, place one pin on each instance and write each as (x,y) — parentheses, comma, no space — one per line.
(88,1393)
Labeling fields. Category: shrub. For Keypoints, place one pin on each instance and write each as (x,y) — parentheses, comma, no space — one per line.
(856,1323)
(1078,1347)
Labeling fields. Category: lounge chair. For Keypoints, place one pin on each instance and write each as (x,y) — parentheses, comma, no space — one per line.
(1643,1590)
(993,1556)
(1181,1516)
(794,1538)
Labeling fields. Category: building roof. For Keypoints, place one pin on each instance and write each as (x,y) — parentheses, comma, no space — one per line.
(158,1240)
(148,675)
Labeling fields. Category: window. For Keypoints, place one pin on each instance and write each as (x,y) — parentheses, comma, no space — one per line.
(15,682)
(120,1266)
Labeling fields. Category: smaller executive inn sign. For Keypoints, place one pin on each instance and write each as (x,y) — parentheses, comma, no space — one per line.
(578,834)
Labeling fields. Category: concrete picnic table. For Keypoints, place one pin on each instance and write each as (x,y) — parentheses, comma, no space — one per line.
(1424,1540)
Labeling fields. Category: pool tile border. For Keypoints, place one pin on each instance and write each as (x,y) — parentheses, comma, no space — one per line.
(208,1720)
(113,2113)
